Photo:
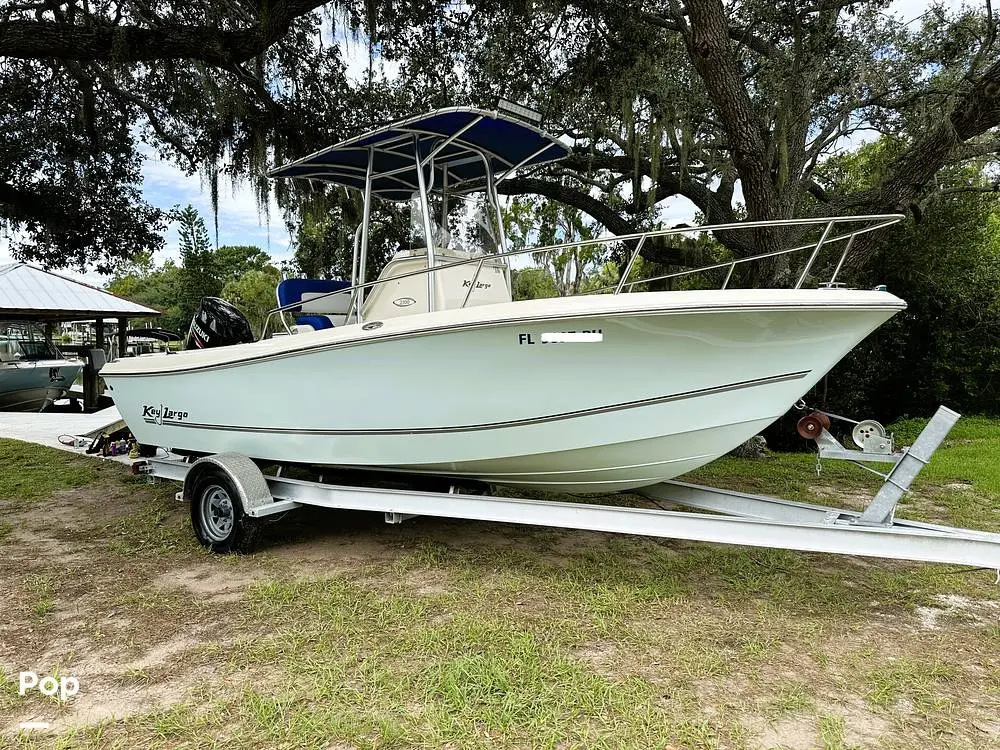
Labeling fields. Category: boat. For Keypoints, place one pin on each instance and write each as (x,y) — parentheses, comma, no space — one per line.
(434,369)
(33,372)
(149,340)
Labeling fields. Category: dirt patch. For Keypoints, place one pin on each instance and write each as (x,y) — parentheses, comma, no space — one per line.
(601,656)
(213,580)
(862,726)
(84,506)
(44,547)
(952,607)
(318,556)
(788,733)
(112,685)
(959,486)
(835,725)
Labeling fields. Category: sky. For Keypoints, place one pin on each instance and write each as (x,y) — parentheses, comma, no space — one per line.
(240,221)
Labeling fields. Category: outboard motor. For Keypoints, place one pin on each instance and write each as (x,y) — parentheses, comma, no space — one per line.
(217,323)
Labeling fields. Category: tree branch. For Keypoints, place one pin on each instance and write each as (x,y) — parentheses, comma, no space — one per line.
(974,114)
(101,41)
(151,115)
(656,250)
(938,195)
(571,197)
(758,44)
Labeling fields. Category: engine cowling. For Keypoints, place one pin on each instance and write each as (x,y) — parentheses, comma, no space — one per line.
(217,323)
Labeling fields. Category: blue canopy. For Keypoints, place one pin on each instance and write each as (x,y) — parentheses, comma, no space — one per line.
(471,135)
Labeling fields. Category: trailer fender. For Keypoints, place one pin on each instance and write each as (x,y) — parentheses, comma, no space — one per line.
(244,473)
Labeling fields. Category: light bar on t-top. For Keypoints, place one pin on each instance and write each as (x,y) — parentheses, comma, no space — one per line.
(519,110)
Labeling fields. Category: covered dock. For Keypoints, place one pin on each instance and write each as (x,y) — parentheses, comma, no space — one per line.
(32,294)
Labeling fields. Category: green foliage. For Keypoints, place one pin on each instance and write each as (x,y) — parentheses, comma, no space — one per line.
(651,117)
(945,348)
(199,273)
(321,249)
(533,221)
(254,294)
(242,274)
(70,169)
(232,261)
(325,231)
(603,277)
(648,116)
(533,283)
(159,288)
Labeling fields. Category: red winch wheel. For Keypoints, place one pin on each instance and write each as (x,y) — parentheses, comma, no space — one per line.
(811,425)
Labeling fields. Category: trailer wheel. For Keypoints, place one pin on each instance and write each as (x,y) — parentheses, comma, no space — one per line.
(217,515)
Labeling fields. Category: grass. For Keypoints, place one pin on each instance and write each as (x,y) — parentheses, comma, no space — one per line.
(40,587)
(8,692)
(969,453)
(472,635)
(153,529)
(917,681)
(42,471)
(791,698)
(831,732)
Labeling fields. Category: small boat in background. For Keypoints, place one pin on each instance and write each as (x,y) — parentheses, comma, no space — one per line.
(33,372)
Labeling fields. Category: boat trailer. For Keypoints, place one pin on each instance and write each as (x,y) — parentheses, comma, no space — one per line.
(229,495)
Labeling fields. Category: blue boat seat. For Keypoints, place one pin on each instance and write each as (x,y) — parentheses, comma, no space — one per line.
(319,314)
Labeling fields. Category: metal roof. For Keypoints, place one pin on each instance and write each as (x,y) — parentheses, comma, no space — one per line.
(466,139)
(31,293)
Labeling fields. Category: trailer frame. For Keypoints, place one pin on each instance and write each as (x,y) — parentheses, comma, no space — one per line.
(714,515)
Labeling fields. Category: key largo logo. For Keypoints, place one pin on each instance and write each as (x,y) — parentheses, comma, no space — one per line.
(162,414)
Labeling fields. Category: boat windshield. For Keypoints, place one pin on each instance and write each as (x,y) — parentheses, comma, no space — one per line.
(471,227)
(442,237)
(25,343)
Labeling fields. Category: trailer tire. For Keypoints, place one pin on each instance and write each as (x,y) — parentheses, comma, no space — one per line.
(217,514)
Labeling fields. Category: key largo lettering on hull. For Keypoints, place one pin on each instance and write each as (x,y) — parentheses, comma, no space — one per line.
(162,414)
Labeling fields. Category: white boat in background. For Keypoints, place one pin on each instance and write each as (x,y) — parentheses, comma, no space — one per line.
(434,369)
(33,372)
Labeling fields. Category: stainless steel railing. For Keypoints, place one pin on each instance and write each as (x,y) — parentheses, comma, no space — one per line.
(834,230)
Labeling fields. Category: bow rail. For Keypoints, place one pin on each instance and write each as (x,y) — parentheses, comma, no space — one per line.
(834,230)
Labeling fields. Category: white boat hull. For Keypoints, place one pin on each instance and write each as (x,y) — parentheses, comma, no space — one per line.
(676,380)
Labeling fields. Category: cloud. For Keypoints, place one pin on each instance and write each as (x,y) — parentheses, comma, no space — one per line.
(910,10)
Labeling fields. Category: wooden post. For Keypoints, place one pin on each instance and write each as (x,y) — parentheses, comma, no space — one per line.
(91,380)
(122,336)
